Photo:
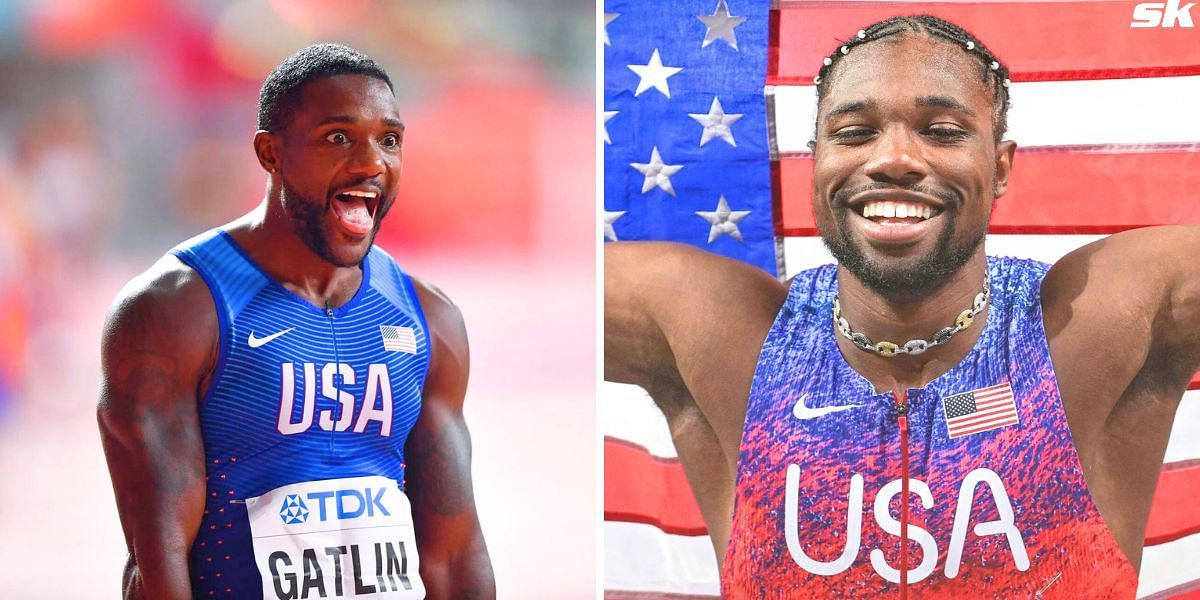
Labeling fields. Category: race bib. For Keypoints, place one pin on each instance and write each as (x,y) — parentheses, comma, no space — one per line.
(338,538)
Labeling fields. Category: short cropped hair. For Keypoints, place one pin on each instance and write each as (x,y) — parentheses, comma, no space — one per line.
(280,91)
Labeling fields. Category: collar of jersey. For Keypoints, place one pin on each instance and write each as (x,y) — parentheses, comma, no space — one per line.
(338,311)
(993,321)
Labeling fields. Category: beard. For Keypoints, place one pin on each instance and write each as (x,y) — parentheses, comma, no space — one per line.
(308,220)
(927,274)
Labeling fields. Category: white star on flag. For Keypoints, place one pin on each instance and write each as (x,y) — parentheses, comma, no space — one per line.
(723,221)
(608,18)
(654,75)
(720,26)
(610,217)
(609,114)
(716,123)
(658,174)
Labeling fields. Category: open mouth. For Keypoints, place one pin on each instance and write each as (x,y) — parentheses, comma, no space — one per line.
(355,210)
(896,212)
(896,223)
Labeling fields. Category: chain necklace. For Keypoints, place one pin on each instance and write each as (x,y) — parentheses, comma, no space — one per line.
(963,321)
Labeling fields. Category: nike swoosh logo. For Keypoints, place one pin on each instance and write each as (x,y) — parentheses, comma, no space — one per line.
(802,412)
(257,341)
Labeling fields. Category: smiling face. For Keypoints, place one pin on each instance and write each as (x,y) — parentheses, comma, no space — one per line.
(906,163)
(338,160)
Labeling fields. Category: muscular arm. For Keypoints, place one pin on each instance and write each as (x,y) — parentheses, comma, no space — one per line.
(1124,312)
(158,344)
(454,558)
(687,326)
(676,317)
(1123,321)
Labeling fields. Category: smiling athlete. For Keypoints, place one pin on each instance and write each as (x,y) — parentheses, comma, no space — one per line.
(281,404)
(1006,419)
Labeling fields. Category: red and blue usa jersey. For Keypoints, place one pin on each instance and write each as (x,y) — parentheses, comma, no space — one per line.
(997,502)
(304,425)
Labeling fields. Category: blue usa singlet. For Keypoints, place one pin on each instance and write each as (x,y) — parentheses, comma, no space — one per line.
(304,424)
(997,505)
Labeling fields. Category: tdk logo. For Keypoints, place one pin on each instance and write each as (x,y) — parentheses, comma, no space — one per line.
(294,510)
(337,504)
(1162,14)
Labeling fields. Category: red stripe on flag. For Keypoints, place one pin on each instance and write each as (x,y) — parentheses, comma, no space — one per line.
(981,419)
(642,488)
(1053,192)
(1172,513)
(957,432)
(1040,41)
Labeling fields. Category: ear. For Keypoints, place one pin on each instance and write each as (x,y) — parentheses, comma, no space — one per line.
(1005,151)
(264,148)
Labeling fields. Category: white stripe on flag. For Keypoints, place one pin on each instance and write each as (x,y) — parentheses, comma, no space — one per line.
(628,413)
(1051,113)
(1167,565)
(642,558)
(1185,433)
(398,339)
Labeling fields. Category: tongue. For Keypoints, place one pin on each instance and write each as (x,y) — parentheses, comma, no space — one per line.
(353,214)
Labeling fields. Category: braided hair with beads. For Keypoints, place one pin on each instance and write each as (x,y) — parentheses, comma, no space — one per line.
(994,74)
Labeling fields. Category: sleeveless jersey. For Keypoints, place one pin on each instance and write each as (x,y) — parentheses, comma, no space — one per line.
(997,503)
(304,424)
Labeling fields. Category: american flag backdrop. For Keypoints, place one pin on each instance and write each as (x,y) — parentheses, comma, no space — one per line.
(708,107)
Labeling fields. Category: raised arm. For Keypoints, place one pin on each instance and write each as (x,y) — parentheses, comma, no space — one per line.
(687,326)
(158,345)
(1136,295)
(678,316)
(453,555)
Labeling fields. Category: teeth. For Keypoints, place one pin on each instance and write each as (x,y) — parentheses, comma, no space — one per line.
(359,194)
(902,210)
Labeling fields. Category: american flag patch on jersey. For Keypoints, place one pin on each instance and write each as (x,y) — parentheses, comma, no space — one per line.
(398,339)
(980,410)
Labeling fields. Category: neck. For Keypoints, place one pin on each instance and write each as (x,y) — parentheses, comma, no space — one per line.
(916,318)
(269,237)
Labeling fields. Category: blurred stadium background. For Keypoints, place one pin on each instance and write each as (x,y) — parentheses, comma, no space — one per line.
(125,127)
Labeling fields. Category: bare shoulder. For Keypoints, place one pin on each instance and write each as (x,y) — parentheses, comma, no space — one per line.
(449,350)
(158,348)
(166,305)
(676,282)
(445,320)
(1125,279)
(1121,314)
(687,325)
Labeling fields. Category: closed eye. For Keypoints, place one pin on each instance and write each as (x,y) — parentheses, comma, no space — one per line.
(947,134)
(852,135)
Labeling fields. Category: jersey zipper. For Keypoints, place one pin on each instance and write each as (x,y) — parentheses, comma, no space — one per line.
(336,359)
(901,399)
